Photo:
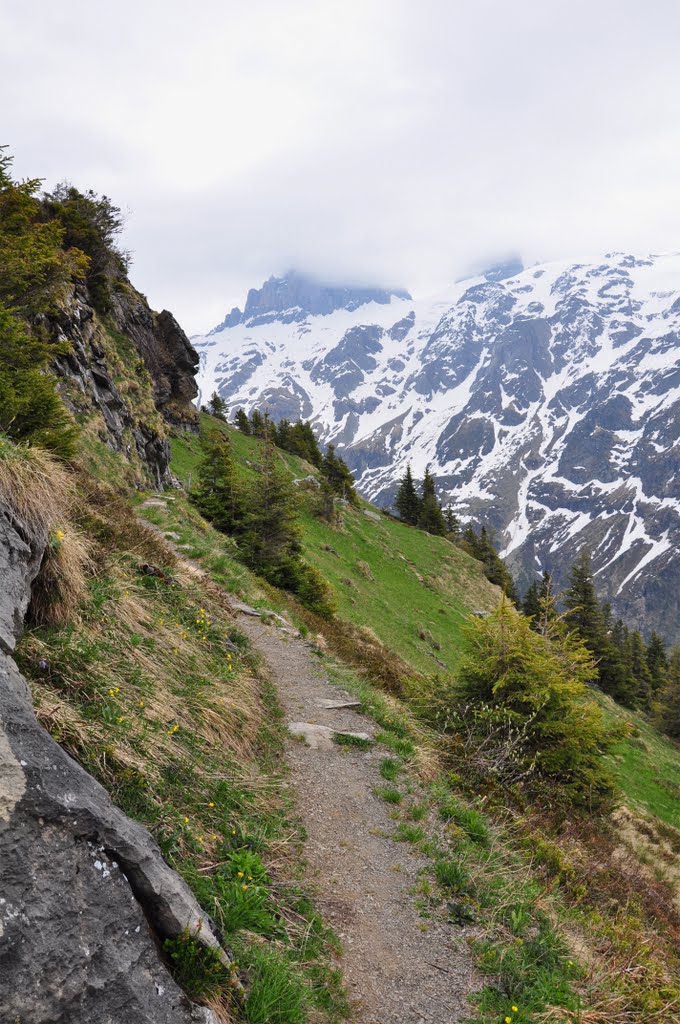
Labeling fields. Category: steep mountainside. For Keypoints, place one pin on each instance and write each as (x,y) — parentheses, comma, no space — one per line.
(129,372)
(546,402)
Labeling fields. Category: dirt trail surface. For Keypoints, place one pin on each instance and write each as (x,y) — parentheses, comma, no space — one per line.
(399,968)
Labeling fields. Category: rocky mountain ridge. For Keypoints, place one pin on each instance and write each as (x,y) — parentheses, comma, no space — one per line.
(547,404)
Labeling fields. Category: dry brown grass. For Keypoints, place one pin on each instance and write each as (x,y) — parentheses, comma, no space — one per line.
(61,585)
(41,493)
(35,487)
(227,715)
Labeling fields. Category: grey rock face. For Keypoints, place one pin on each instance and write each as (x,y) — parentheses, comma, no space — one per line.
(85,896)
(88,378)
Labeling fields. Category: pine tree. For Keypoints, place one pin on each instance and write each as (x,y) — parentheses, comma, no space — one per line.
(540,604)
(452,523)
(217,406)
(667,710)
(582,605)
(657,662)
(407,503)
(31,409)
(303,443)
(282,434)
(242,422)
(218,494)
(256,423)
(271,535)
(430,517)
(337,473)
(636,658)
(531,606)
(537,683)
(609,643)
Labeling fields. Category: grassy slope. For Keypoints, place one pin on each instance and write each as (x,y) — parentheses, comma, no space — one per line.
(424,583)
(152,688)
(413,582)
(510,890)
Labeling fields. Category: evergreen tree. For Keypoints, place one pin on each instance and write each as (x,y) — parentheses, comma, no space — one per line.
(36,263)
(582,604)
(531,606)
(452,523)
(537,682)
(430,517)
(218,494)
(270,540)
(539,603)
(36,266)
(657,662)
(667,710)
(407,503)
(92,224)
(636,660)
(337,473)
(282,435)
(217,406)
(271,536)
(256,423)
(610,644)
(304,444)
(242,422)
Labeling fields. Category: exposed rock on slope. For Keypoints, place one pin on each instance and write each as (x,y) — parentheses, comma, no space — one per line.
(547,404)
(85,896)
(134,368)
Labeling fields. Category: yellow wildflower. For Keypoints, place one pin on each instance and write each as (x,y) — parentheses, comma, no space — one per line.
(186,821)
(211,804)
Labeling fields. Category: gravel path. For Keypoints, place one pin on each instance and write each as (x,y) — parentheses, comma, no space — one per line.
(399,968)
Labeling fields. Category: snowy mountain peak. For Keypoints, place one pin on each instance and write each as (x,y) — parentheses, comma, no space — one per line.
(546,402)
(295,296)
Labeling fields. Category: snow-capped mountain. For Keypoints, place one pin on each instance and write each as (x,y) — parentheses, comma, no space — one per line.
(546,402)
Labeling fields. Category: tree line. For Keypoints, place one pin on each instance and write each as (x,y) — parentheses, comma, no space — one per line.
(261,515)
(297,439)
(421,508)
(639,674)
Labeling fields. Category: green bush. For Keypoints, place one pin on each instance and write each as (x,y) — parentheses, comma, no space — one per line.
(524,709)
(196,968)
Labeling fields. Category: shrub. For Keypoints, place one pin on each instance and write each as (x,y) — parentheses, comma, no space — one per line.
(523,710)
(196,968)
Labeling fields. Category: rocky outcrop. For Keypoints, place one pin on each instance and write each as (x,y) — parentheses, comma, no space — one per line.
(167,353)
(134,370)
(85,896)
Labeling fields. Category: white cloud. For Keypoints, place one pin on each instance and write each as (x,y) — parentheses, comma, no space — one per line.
(373,140)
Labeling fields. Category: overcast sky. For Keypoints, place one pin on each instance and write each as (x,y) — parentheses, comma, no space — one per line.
(368,141)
